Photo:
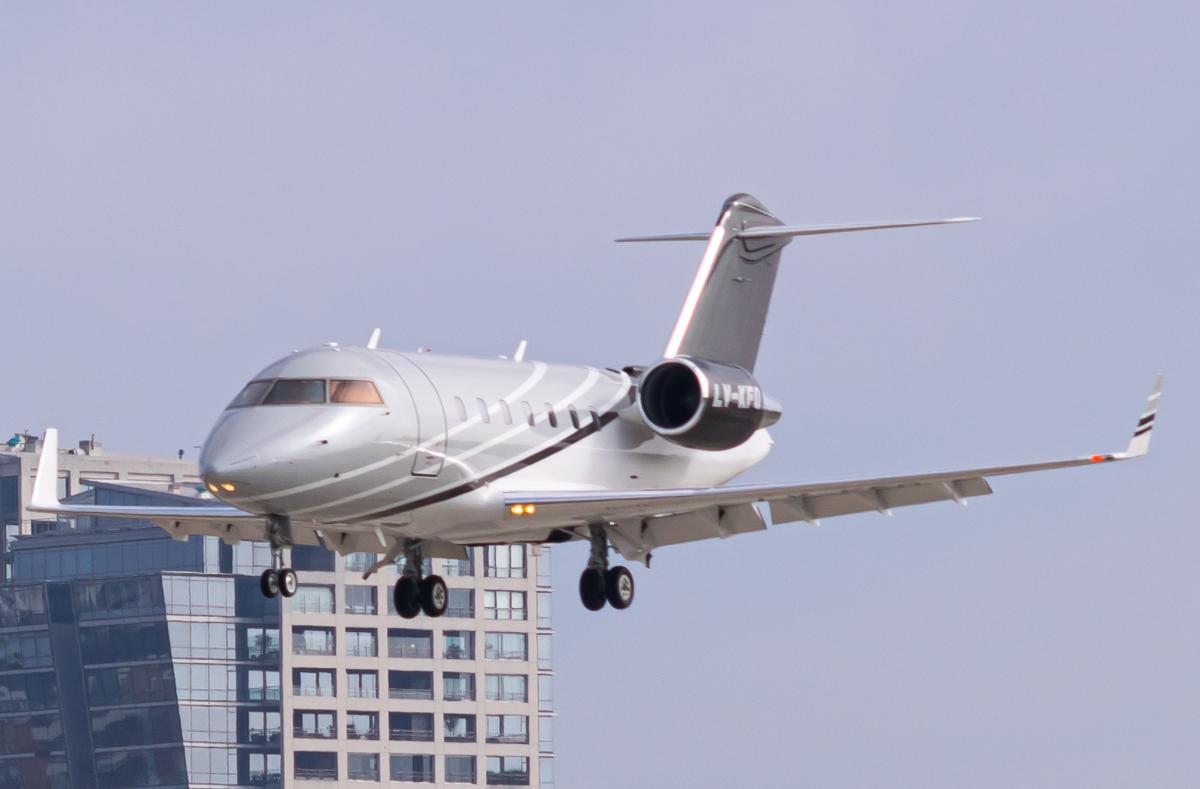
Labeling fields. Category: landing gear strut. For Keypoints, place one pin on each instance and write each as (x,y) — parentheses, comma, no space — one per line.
(278,579)
(599,583)
(414,594)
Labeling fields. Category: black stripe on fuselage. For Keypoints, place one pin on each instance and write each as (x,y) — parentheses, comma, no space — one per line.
(474,484)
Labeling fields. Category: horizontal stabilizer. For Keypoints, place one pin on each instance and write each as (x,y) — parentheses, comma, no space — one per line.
(791,231)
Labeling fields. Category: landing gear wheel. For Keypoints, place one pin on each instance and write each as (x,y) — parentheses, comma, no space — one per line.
(619,588)
(288,582)
(269,583)
(591,588)
(434,596)
(408,597)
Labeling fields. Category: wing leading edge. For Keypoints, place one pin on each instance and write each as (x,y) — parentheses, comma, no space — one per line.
(642,520)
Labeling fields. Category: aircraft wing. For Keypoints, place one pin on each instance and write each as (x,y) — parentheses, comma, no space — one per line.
(218,519)
(639,521)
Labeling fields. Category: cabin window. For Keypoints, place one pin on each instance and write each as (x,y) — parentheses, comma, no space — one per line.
(296,391)
(550,415)
(461,408)
(574,416)
(595,417)
(506,411)
(251,394)
(483,410)
(529,417)
(354,392)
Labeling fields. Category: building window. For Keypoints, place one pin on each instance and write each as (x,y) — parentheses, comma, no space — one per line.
(410,684)
(360,561)
(458,686)
(461,603)
(410,643)
(458,645)
(501,604)
(545,618)
(361,643)
(314,724)
(265,768)
(459,728)
(262,643)
(261,685)
(508,729)
(313,641)
(507,687)
(412,768)
(362,766)
(310,599)
(460,568)
(545,652)
(544,575)
(261,725)
(360,599)
(315,766)
(545,773)
(313,682)
(362,726)
(505,646)
(545,693)
(546,734)
(508,770)
(460,769)
(504,561)
(362,685)
(410,726)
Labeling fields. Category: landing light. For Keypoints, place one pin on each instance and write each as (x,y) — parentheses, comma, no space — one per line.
(228,487)
(523,509)
(212,488)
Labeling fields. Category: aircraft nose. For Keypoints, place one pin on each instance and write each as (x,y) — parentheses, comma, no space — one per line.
(224,460)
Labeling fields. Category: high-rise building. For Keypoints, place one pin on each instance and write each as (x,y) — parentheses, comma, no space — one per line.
(130,659)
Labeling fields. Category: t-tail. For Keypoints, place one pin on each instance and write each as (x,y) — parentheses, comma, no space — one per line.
(726,307)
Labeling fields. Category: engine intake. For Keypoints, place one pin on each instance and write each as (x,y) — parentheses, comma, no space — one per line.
(702,404)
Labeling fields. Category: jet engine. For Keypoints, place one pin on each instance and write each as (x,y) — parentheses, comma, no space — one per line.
(703,404)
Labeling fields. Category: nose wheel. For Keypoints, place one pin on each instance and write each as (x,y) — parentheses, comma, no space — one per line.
(278,580)
(599,583)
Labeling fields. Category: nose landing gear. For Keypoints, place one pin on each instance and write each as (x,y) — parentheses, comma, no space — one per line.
(599,583)
(414,594)
(278,580)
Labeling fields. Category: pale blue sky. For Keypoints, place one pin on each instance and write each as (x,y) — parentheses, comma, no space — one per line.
(189,190)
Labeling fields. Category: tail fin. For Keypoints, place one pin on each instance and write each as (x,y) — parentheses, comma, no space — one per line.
(723,315)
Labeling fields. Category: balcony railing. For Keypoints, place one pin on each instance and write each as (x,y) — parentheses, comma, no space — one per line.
(363,693)
(260,736)
(301,649)
(461,611)
(457,653)
(310,690)
(361,650)
(413,776)
(410,693)
(460,777)
(510,739)
(458,694)
(311,607)
(363,775)
(508,695)
(507,779)
(360,608)
(270,693)
(412,735)
(319,733)
(466,736)
(361,734)
(507,654)
(316,773)
(410,650)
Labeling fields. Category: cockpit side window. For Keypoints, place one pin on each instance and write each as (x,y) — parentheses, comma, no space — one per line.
(251,394)
(296,391)
(354,392)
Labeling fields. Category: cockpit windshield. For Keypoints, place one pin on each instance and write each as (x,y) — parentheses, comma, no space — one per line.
(308,391)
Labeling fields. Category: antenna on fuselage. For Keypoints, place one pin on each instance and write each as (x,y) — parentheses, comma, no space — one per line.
(373,343)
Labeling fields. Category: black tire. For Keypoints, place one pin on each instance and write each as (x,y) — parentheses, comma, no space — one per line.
(269,583)
(407,597)
(289,582)
(591,589)
(434,596)
(618,587)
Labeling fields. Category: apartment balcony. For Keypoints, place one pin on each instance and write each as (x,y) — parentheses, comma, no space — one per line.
(312,690)
(318,733)
(410,693)
(411,735)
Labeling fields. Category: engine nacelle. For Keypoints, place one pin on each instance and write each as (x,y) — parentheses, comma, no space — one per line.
(702,404)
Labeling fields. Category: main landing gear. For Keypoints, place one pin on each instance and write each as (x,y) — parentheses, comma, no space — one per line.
(599,583)
(278,580)
(414,594)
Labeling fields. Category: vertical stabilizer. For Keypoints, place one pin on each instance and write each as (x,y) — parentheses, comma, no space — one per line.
(723,315)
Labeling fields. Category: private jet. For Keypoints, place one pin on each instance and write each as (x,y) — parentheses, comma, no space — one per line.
(418,455)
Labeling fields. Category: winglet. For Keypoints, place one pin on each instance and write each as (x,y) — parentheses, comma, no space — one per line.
(45,483)
(1140,443)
